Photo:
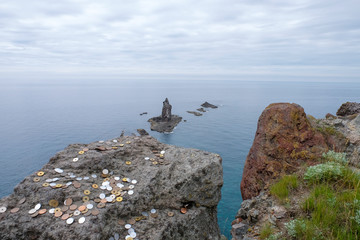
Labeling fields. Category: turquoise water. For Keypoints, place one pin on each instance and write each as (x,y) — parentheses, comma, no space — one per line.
(38,120)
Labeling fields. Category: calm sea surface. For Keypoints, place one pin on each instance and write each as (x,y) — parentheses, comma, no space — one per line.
(38,120)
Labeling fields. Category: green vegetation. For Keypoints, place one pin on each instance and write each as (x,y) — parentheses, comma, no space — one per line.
(324,172)
(282,188)
(266,230)
(332,156)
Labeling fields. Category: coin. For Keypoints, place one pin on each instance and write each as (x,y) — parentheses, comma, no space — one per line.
(58,185)
(128,163)
(87,192)
(75,159)
(64,208)
(95,186)
(57,209)
(58,170)
(58,214)
(129,238)
(127,226)
(97,200)
(36,179)
(65,216)
(89,206)
(45,184)
(130,192)
(82,208)
(154,215)
(68,202)
(95,212)
(124,179)
(183,210)
(15,210)
(134,182)
(22,201)
(121,222)
(40,174)
(53,203)
(121,145)
(73,207)
(32,211)
(105,171)
(119,199)
(85,199)
(3,209)
(132,221)
(85,149)
(138,219)
(155,162)
(147,158)
(128,142)
(101,205)
(34,214)
(42,211)
(76,184)
(115,148)
(52,210)
(69,221)
(81,220)
(81,152)
(77,213)
(37,206)
(170,214)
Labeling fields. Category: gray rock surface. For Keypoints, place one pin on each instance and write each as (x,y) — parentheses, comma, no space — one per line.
(166,122)
(208,105)
(195,113)
(348,108)
(165,182)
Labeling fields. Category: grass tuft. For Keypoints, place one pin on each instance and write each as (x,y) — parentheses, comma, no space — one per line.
(282,188)
(266,231)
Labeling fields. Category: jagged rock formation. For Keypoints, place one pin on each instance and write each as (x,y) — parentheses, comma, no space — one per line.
(284,139)
(348,108)
(194,113)
(208,105)
(166,122)
(91,191)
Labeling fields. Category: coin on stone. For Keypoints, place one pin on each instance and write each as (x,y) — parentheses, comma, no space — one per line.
(45,184)
(183,210)
(58,214)
(95,186)
(34,214)
(68,202)
(138,219)
(58,185)
(69,221)
(130,192)
(154,215)
(95,212)
(3,209)
(76,184)
(101,205)
(85,199)
(105,171)
(53,203)
(87,192)
(124,179)
(73,207)
(132,221)
(81,220)
(75,159)
(155,162)
(81,152)
(128,142)
(42,211)
(22,201)
(119,199)
(128,163)
(15,210)
(82,208)
(36,179)
(37,206)
(127,226)
(89,206)
(40,174)
(77,213)
(65,216)
(64,208)
(170,214)
(85,149)
(97,200)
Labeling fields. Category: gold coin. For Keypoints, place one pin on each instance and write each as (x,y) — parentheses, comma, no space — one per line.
(114,148)
(95,186)
(155,162)
(129,238)
(87,192)
(119,199)
(46,184)
(40,174)
(36,179)
(127,162)
(85,211)
(138,219)
(124,179)
(161,155)
(85,199)
(121,145)
(57,209)
(106,179)
(81,152)
(128,142)
(53,203)
(58,185)
(152,159)
(170,214)
(113,192)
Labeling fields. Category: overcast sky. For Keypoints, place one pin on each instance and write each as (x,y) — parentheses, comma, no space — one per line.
(235,38)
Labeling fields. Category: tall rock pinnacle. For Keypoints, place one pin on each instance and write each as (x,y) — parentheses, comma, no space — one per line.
(166,111)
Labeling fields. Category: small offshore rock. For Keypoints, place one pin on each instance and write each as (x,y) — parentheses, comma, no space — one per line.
(195,113)
(208,105)
(166,122)
(201,110)
(142,132)
(143,113)
(348,108)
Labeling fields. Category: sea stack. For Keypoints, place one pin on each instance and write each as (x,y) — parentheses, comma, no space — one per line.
(166,122)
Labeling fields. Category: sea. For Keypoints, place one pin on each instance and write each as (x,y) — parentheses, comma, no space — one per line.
(38,119)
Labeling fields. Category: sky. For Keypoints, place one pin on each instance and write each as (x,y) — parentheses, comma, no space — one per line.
(235,39)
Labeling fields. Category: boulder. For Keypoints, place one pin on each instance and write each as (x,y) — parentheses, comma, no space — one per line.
(348,108)
(161,191)
(284,140)
(208,105)
(166,122)
(194,113)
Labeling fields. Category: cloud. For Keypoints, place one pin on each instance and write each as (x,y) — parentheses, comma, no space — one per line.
(180,37)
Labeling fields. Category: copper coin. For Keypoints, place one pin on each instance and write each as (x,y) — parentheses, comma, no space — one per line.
(101,205)
(73,207)
(87,214)
(58,214)
(154,215)
(76,184)
(65,216)
(97,200)
(85,149)
(15,210)
(34,215)
(22,201)
(95,212)
(82,208)
(132,221)
(42,211)
(103,200)
(183,210)
(64,208)
(121,222)
(68,202)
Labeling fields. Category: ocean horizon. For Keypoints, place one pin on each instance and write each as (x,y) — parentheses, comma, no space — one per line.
(38,120)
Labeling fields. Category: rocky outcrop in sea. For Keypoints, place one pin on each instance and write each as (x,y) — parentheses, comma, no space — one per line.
(125,188)
(166,122)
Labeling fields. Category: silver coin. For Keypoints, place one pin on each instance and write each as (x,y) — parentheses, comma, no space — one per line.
(109,188)
(131,187)
(102,196)
(162,152)
(117,178)
(79,178)
(106,183)
(86,178)
(109,199)
(77,213)
(105,171)
(52,210)
(111,238)
(127,226)
(2,209)
(68,183)
(153,210)
(145,214)
(75,159)
(89,206)
(48,180)
(116,236)
(59,170)
(134,181)
(127,237)
(37,206)
(103,187)
(69,221)
(147,158)
(72,176)
(52,184)
(101,141)
(115,141)
(130,192)
(120,185)
(133,234)
(81,220)
(32,211)
(94,176)
(131,230)
(55,179)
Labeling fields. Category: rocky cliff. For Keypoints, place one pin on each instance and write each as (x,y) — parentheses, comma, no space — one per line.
(124,188)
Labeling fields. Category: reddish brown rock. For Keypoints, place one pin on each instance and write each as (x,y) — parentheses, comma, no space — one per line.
(284,140)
